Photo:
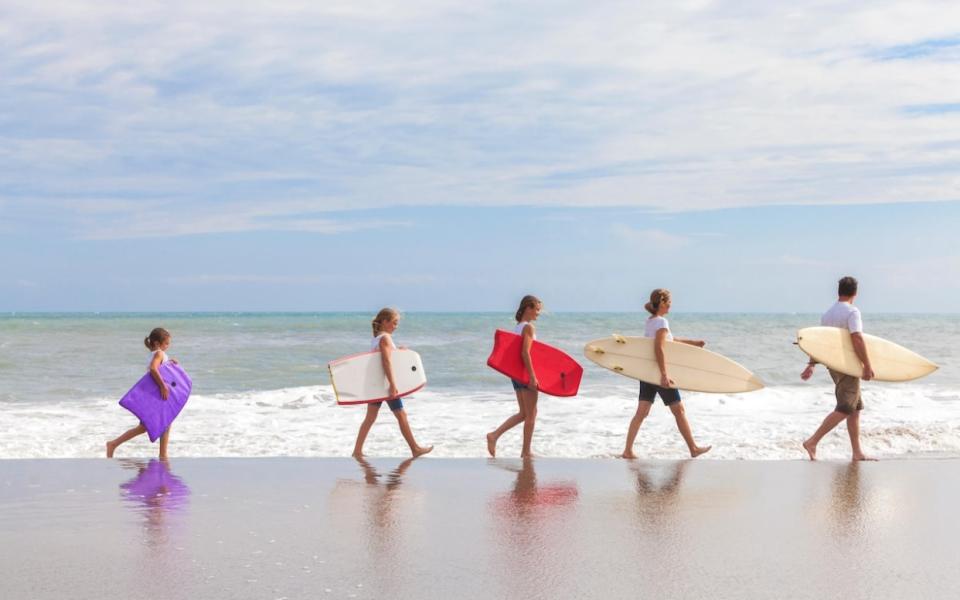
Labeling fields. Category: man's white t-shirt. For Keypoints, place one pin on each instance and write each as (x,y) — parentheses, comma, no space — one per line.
(843,315)
(655,324)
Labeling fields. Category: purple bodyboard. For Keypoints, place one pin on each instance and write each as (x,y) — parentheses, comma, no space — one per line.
(144,400)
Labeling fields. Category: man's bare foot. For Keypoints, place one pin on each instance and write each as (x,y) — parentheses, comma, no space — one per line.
(811,449)
(699,450)
(110,448)
(421,450)
(628,455)
(491,445)
(857,457)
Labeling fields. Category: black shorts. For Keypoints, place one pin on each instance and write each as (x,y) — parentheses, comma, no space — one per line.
(648,393)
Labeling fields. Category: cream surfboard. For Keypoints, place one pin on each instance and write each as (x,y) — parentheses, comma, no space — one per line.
(691,368)
(833,347)
(359,379)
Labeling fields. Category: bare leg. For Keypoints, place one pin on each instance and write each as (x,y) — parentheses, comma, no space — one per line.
(372,410)
(164,439)
(415,449)
(643,409)
(126,436)
(681,417)
(511,422)
(829,422)
(529,420)
(853,428)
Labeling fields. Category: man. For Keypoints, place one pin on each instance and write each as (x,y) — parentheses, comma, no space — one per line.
(849,403)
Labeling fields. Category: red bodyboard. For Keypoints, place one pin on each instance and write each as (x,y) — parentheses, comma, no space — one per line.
(557,373)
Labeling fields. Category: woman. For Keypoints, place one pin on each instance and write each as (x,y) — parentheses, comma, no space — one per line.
(658,328)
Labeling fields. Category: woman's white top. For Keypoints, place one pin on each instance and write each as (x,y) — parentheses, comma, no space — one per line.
(163,360)
(519,328)
(375,343)
(655,324)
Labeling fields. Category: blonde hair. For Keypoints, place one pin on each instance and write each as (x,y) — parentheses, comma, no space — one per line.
(158,336)
(526,303)
(385,314)
(657,297)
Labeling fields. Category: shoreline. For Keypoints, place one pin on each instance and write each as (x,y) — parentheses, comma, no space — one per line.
(478,528)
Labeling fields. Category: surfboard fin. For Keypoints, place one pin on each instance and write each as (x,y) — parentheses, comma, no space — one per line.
(619,338)
(618,368)
(595,349)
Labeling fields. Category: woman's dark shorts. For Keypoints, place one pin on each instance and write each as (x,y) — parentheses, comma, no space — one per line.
(518,386)
(648,393)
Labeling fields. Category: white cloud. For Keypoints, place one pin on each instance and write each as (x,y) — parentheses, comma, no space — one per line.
(340,279)
(674,107)
(654,239)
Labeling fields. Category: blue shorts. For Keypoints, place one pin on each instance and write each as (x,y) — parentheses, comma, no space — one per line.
(648,393)
(394,405)
(518,386)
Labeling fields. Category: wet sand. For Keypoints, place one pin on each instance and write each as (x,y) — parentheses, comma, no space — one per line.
(472,528)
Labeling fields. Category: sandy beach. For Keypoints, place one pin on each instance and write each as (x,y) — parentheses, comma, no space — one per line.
(551,528)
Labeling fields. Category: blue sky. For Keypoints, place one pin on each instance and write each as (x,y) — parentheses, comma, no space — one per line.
(340,155)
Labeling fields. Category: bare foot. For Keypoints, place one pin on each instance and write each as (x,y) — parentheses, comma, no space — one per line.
(491,445)
(357,454)
(811,449)
(699,450)
(420,451)
(857,457)
(110,448)
(628,455)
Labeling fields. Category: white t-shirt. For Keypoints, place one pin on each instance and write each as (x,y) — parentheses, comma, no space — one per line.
(519,328)
(655,324)
(375,343)
(843,315)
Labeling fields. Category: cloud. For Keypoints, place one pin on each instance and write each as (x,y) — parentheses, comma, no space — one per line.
(298,280)
(344,105)
(650,238)
(155,220)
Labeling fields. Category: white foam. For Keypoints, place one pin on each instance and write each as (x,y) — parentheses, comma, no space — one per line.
(305,421)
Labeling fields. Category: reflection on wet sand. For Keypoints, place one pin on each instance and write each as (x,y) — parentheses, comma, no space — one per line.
(849,511)
(536,547)
(374,519)
(380,506)
(658,503)
(156,493)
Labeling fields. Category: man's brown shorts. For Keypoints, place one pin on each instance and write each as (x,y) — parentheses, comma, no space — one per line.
(848,392)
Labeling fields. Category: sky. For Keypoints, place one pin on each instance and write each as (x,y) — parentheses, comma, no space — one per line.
(454,156)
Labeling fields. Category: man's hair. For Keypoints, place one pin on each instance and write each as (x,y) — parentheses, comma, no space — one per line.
(847,286)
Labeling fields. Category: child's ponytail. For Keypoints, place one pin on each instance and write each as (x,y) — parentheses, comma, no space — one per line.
(156,337)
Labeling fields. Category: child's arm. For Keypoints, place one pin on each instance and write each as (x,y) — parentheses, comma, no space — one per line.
(525,345)
(155,373)
(385,351)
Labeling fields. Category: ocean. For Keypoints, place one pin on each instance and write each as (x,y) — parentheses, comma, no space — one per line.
(261,387)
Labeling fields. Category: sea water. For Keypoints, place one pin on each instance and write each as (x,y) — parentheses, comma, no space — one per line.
(261,387)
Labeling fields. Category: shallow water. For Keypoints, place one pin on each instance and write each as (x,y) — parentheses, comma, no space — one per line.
(261,387)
